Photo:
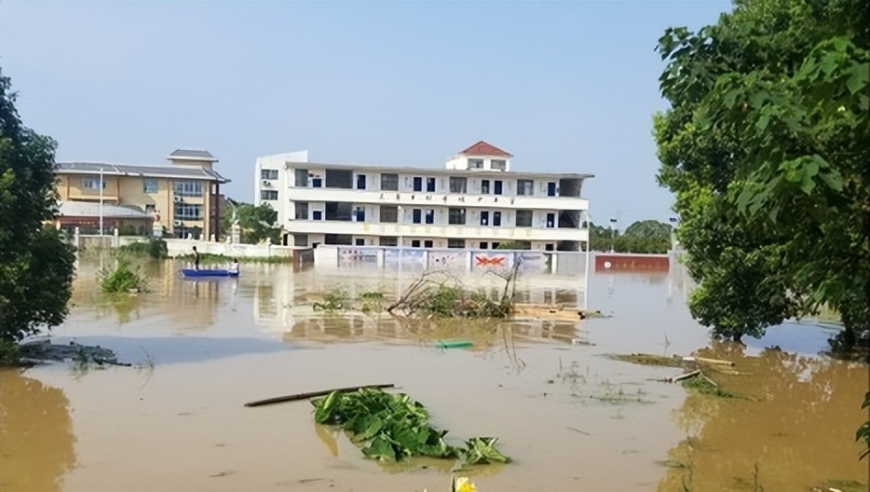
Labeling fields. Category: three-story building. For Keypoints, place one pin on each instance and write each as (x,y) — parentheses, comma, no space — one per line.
(476,201)
(183,198)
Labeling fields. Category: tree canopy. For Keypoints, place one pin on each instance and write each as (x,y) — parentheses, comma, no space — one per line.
(766,147)
(36,264)
(257,222)
(644,236)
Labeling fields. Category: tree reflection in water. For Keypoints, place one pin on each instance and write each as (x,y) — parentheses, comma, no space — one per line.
(799,434)
(36,439)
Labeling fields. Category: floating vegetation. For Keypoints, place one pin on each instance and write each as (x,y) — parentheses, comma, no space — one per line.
(334,300)
(122,279)
(392,427)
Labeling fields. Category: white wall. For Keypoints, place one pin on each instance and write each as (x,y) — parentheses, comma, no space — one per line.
(277,162)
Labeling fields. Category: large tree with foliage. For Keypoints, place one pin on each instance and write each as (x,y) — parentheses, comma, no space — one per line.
(767,148)
(257,222)
(36,264)
(643,236)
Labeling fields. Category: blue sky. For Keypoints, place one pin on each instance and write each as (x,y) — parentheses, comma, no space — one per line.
(564,86)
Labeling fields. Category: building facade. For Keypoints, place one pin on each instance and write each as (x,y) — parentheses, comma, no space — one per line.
(183,198)
(476,201)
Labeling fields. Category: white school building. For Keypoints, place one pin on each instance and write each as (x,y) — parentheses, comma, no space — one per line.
(475,202)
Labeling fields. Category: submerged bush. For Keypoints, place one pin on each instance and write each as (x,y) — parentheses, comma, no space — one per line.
(155,248)
(123,279)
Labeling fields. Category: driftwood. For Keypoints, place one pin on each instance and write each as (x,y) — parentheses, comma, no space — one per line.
(681,377)
(313,394)
(704,360)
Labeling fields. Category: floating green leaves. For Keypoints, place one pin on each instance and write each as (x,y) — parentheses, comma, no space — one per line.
(391,427)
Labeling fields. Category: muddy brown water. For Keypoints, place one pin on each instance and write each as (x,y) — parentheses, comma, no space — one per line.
(570,417)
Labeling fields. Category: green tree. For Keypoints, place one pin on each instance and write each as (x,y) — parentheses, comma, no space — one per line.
(36,264)
(257,223)
(766,147)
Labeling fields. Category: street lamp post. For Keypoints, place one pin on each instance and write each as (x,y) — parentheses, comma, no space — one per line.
(101,200)
(612,233)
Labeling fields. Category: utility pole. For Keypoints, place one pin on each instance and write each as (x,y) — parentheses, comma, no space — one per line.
(612,233)
(101,200)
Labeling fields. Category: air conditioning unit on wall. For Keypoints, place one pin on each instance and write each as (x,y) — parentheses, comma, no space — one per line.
(267,184)
(177,198)
(178,223)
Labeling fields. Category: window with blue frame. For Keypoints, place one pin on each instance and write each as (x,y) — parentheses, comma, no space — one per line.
(416,216)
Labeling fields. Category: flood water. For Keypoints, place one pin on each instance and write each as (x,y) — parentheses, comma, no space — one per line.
(571,418)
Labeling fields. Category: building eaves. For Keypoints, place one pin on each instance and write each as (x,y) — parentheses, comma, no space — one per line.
(177,172)
(422,171)
(192,154)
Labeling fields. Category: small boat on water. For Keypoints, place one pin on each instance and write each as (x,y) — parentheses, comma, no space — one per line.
(211,272)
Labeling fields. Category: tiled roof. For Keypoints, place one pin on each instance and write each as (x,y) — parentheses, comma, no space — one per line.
(484,149)
(92,209)
(181,172)
(193,154)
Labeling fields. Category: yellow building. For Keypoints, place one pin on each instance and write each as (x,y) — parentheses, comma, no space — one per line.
(182,197)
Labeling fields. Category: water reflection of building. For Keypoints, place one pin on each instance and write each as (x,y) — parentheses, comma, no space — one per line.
(282,301)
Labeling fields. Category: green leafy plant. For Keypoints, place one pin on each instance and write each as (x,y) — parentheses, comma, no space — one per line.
(123,278)
(863,433)
(334,300)
(392,427)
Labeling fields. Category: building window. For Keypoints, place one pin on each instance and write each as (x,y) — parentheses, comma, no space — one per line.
(92,183)
(150,209)
(484,245)
(484,187)
(301,210)
(338,239)
(415,243)
(525,187)
(484,218)
(300,240)
(389,214)
(430,185)
(552,189)
(361,182)
(317,215)
(496,187)
(416,216)
(391,241)
(456,216)
(418,183)
(359,241)
(188,188)
(495,245)
(496,219)
(498,164)
(456,243)
(359,214)
(551,221)
(268,174)
(149,186)
(302,178)
(475,163)
(524,218)
(390,182)
(342,211)
(548,247)
(187,211)
(317,182)
(430,216)
(268,194)
(339,179)
(458,185)
(427,243)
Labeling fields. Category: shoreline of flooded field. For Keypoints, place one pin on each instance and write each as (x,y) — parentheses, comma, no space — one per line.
(568,414)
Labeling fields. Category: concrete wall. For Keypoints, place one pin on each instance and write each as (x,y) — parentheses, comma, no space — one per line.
(178,247)
(458,260)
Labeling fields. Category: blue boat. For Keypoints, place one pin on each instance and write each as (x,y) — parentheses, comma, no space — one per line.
(213,272)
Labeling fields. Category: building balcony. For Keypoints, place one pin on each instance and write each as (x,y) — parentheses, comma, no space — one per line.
(435,231)
(419,199)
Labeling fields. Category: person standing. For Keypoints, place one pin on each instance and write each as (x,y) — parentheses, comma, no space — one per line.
(195,258)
